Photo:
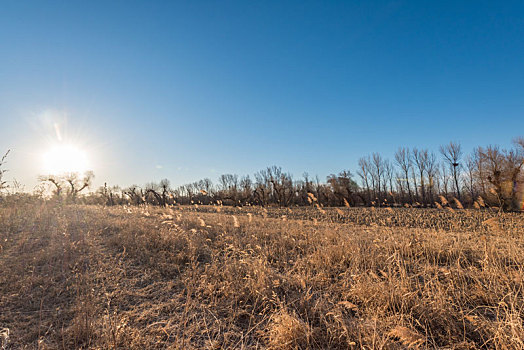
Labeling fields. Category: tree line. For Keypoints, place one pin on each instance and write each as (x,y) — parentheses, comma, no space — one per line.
(414,177)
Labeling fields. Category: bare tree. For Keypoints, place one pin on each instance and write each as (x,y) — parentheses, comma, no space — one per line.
(388,177)
(3,183)
(134,195)
(471,168)
(420,158)
(452,154)
(414,177)
(190,192)
(78,183)
(404,161)
(503,170)
(246,188)
(431,170)
(343,186)
(111,195)
(206,185)
(519,142)
(55,181)
(437,179)
(399,180)
(153,193)
(364,174)
(262,190)
(493,160)
(229,187)
(445,178)
(164,189)
(204,192)
(282,183)
(478,160)
(377,168)
(514,166)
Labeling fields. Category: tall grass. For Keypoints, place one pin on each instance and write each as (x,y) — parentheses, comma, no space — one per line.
(194,277)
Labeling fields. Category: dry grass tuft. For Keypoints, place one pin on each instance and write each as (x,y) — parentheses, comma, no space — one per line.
(458,204)
(408,337)
(287,331)
(311,197)
(493,224)
(235,221)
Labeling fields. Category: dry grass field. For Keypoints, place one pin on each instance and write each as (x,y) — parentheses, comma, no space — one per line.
(251,278)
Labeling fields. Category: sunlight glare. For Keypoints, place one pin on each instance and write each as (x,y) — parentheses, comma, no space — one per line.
(65,158)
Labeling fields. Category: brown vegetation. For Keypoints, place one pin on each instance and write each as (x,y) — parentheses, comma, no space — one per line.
(489,176)
(307,278)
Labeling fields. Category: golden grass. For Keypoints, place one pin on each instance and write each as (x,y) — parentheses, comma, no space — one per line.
(191,277)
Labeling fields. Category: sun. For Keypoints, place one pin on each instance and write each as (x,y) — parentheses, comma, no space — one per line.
(65,158)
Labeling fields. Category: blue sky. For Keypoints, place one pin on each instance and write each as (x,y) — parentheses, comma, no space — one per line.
(186,90)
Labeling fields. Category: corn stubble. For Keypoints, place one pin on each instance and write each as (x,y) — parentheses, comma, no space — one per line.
(200,278)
